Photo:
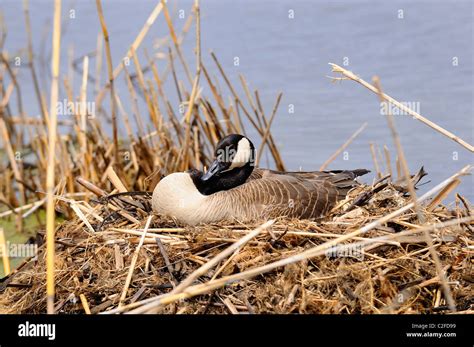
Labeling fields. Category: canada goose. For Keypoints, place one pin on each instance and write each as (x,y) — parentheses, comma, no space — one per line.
(232,189)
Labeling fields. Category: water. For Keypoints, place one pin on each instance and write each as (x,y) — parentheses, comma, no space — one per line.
(425,57)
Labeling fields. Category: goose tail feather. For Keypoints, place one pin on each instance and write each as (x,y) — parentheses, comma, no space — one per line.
(360,172)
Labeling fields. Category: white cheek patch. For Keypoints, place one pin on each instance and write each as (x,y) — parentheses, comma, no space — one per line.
(243,155)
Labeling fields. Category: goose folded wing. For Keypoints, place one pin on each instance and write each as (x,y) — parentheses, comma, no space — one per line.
(271,194)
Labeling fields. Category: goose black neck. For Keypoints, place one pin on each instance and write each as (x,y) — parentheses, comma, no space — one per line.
(223,181)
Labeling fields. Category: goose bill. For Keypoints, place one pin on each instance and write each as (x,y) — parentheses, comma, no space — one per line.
(215,168)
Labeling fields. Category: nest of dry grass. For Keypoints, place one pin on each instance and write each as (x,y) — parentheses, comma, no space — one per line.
(396,276)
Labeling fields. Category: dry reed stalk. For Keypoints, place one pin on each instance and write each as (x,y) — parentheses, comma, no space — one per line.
(187,120)
(226,263)
(7,93)
(278,162)
(140,232)
(3,30)
(197,13)
(21,208)
(156,106)
(83,115)
(5,255)
(442,195)
(36,122)
(374,159)
(343,147)
(19,99)
(197,162)
(261,119)
(184,31)
(11,157)
(267,133)
(273,148)
(118,258)
(399,169)
(307,234)
(134,261)
(101,193)
(417,116)
(116,181)
(128,128)
(149,102)
(174,38)
(81,216)
(52,133)
(224,254)
(85,303)
(70,68)
(158,230)
(133,97)
(91,187)
(237,123)
(389,164)
(133,47)
(90,211)
(215,93)
(98,62)
(166,258)
(175,77)
(194,92)
(381,157)
(39,95)
(229,305)
(416,206)
(108,56)
(171,116)
(123,213)
(252,104)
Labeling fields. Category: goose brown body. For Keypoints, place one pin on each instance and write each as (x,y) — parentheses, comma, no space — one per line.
(270,194)
(265,194)
(233,189)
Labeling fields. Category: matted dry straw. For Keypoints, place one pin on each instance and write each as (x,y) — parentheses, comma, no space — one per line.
(382,249)
(388,268)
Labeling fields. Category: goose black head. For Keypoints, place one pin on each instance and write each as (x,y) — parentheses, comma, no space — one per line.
(234,162)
